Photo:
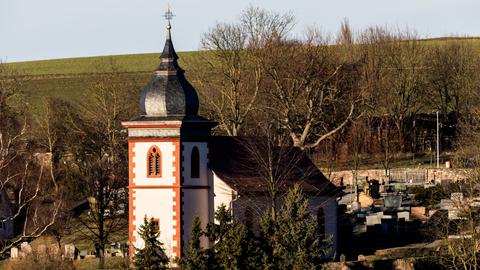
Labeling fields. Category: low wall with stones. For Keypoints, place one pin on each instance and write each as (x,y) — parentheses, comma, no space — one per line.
(430,175)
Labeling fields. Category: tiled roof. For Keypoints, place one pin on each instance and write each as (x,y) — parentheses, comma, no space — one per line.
(239,162)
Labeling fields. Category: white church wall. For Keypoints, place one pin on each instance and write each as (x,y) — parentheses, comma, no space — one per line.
(156,204)
(223,193)
(196,197)
(187,152)
(195,203)
(140,152)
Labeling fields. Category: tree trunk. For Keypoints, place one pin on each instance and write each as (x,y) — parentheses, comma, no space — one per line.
(101,262)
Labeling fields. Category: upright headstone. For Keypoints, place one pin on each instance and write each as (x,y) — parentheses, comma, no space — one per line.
(372,220)
(14,253)
(70,251)
(83,254)
(356,207)
(393,201)
(25,247)
(405,215)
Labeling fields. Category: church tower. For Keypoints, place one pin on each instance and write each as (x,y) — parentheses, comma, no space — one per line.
(169,179)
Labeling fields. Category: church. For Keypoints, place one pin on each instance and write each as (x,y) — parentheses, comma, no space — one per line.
(178,170)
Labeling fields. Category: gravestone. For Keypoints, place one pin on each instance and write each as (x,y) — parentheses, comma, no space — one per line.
(446,204)
(14,253)
(392,201)
(404,215)
(69,251)
(25,247)
(454,214)
(83,254)
(355,207)
(375,189)
(372,220)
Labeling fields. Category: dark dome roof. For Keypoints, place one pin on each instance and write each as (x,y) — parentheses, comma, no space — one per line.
(168,93)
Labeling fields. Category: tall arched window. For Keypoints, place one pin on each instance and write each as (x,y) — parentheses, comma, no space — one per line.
(154,162)
(195,163)
(321,222)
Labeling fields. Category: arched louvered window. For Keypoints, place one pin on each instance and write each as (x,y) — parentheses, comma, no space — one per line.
(154,162)
(195,163)
(321,222)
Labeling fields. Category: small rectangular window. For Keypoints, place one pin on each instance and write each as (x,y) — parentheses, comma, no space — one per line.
(156,224)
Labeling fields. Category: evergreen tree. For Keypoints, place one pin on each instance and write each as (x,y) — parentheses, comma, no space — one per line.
(195,257)
(152,256)
(235,246)
(291,238)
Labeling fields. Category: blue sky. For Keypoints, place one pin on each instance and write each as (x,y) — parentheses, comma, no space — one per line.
(45,29)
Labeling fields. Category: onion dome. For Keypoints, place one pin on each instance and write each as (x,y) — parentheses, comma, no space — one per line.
(168,93)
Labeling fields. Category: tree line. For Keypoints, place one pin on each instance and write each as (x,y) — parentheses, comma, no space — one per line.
(312,87)
(64,170)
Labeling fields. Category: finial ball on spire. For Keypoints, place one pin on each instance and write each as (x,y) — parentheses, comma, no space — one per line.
(168,16)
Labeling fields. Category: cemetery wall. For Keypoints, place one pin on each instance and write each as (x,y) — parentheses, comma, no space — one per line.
(430,175)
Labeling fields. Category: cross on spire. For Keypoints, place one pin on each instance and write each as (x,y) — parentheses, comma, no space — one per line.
(168,15)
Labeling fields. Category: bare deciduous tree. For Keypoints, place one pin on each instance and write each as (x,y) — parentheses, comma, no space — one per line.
(263,26)
(233,77)
(31,206)
(451,69)
(313,91)
(98,144)
(459,231)
(404,80)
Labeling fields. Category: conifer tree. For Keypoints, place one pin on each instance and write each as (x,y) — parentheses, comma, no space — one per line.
(234,246)
(152,256)
(292,240)
(195,257)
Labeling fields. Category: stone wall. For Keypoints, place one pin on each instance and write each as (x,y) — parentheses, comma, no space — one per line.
(431,175)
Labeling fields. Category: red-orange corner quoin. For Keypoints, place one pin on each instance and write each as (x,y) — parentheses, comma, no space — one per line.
(177,200)
(175,188)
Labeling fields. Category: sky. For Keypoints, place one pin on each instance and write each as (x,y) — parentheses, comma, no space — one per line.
(49,29)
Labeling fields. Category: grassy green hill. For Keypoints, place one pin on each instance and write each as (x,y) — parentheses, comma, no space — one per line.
(139,63)
(69,78)
(135,63)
